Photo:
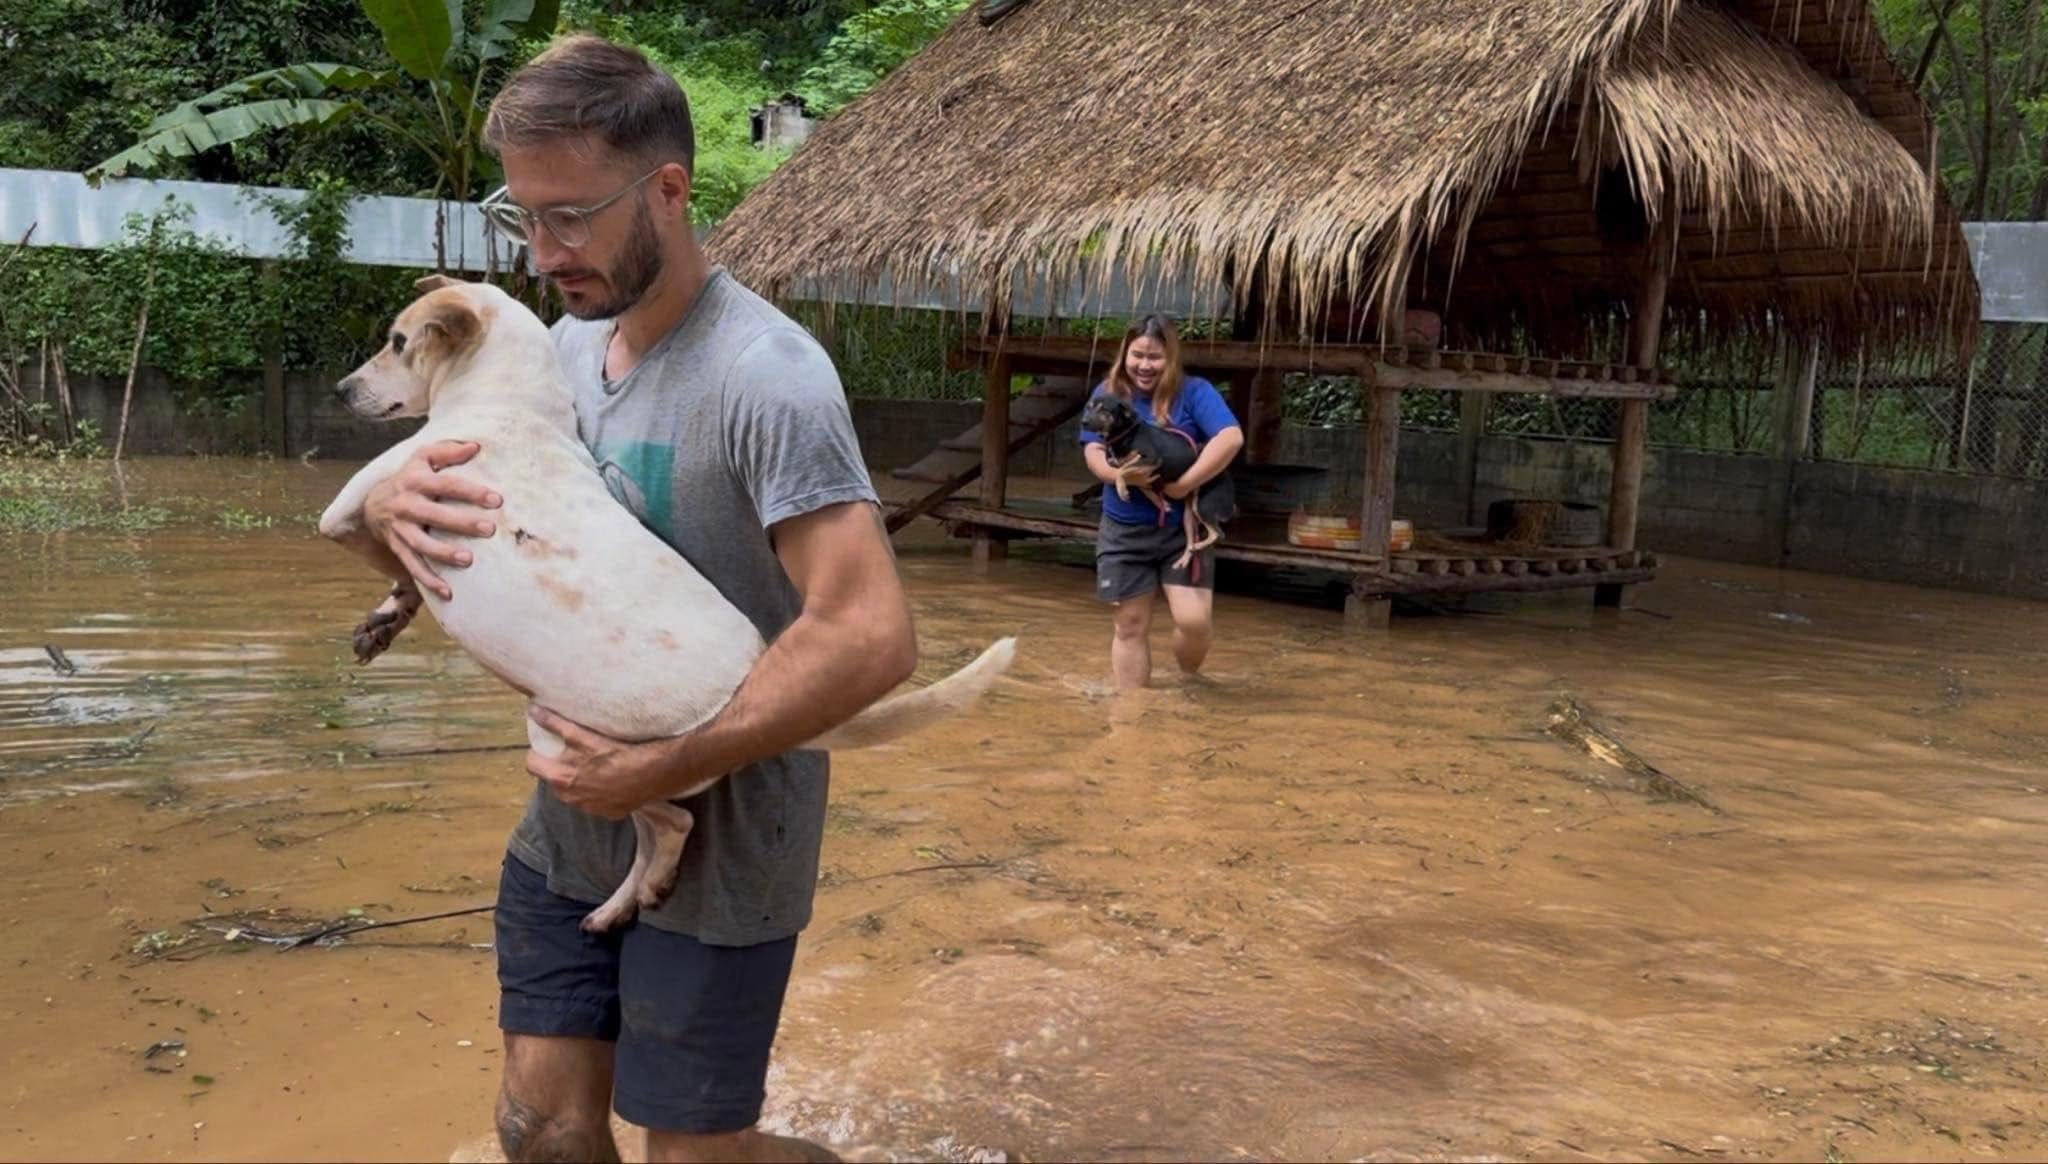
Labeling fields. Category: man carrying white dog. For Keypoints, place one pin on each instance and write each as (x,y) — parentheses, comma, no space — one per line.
(722,424)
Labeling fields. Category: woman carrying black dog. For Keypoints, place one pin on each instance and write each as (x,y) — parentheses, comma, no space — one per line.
(1138,545)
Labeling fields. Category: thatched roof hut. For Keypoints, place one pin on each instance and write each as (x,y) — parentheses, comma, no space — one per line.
(1505,163)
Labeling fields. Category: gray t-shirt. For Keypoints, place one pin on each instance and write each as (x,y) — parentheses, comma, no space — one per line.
(733,422)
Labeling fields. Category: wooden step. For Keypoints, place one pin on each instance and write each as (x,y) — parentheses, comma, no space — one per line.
(957,461)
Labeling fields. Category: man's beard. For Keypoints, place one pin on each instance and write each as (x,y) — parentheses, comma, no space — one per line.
(639,266)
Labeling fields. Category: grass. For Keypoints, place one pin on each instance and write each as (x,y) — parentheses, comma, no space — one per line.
(56,495)
(50,496)
(235,517)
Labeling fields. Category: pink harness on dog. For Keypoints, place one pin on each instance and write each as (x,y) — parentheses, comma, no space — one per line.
(1195,571)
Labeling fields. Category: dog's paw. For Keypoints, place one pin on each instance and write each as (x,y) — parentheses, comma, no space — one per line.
(375,633)
(609,916)
(655,888)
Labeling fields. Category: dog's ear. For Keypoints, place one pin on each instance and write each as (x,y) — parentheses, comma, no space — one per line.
(452,321)
(428,283)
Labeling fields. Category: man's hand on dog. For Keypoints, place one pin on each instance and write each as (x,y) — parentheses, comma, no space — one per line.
(598,774)
(401,509)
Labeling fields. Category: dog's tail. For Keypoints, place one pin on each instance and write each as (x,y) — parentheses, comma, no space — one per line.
(911,711)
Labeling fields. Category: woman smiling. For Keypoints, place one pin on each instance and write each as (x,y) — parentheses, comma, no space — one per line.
(1139,545)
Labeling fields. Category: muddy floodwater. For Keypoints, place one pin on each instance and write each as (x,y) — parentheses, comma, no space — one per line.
(1347,899)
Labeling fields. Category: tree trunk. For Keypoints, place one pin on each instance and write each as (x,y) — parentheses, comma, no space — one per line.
(1990,152)
(1933,42)
(63,391)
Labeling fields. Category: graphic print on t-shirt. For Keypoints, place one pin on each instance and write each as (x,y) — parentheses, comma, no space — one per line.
(638,475)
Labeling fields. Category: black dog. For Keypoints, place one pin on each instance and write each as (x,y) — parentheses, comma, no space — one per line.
(1147,455)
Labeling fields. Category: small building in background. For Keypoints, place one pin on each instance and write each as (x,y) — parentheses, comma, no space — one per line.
(782,123)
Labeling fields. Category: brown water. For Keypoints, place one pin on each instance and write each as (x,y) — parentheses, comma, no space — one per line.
(1345,900)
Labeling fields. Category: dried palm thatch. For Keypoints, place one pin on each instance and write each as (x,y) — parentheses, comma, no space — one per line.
(1327,148)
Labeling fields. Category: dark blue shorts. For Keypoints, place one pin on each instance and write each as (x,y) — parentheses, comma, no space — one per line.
(1134,560)
(693,1023)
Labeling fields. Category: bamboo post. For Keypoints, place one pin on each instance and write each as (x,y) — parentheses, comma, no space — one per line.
(63,374)
(135,355)
(1631,442)
(134,362)
(1262,422)
(1255,395)
(1376,523)
(1794,432)
(995,456)
(1471,428)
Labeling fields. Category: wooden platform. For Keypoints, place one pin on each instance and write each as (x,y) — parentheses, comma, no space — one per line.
(1485,569)
(1053,520)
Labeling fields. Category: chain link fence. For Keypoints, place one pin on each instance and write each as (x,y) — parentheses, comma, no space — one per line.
(1987,418)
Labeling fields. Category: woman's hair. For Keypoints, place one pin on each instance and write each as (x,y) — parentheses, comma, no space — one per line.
(1170,378)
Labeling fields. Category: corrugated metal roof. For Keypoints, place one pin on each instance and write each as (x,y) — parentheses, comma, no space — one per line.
(383,231)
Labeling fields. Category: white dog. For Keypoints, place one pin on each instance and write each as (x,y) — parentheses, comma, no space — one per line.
(572,601)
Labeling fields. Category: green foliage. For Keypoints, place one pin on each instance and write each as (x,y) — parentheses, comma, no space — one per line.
(349,97)
(728,164)
(327,313)
(871,44)
(81,79)
(893,355)
(438,53)
(74,80)
(32,437)
(287,98)
(775,40)
(732,57)
(212,313)
(1985,72)
(203,302)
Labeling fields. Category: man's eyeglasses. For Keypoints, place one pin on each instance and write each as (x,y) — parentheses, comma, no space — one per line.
(569,224)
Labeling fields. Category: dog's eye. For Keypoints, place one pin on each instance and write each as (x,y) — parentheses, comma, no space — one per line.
(398,342)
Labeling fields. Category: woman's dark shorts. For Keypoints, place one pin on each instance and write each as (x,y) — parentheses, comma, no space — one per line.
(1134,560)
(693,1023)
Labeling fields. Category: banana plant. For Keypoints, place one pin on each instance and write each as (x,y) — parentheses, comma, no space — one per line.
(433,99)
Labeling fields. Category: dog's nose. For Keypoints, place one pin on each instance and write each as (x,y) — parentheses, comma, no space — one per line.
(347,386)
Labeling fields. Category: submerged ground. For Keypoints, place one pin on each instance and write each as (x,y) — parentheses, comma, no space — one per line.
(1347,899)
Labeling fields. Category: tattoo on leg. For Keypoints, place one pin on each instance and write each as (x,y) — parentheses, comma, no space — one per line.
(528,1134)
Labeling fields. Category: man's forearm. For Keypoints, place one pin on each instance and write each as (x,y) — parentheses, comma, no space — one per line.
(816,675)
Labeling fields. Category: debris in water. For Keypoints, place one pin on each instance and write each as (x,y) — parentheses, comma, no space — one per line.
(1571,722)
(60,661)
(160,1047)
(158,942)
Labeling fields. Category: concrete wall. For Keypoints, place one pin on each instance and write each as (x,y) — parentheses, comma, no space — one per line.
(1975,533)
(159,423)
